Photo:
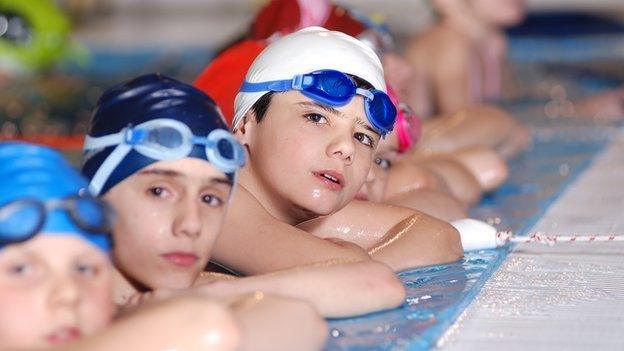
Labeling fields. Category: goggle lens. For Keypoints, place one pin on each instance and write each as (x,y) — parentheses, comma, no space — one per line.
(166,137)
(19,220)
(382,111)
(226,149)
(336,87)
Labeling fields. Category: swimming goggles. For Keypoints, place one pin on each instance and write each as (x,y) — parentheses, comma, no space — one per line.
(163,139)
(334,88)
(22,219)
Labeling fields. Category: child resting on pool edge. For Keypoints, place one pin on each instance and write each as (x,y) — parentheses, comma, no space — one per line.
(308,159)
(55,273)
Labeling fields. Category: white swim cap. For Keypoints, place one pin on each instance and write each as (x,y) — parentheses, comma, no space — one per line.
(308,50)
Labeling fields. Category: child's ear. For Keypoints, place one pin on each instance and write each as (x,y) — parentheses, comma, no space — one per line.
(242,131)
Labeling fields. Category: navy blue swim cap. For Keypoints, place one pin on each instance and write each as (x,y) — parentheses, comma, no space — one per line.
(148,98)
(37,175)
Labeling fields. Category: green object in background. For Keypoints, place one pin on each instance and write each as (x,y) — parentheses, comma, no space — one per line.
(33,34)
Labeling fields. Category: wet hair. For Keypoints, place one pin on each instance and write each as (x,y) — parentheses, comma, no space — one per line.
(261,106)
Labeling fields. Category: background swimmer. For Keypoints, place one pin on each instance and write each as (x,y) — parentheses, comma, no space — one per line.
(461,59)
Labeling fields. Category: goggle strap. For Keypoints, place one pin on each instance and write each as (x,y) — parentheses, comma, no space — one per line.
(297,83)
(106,169)
(96,143)
(366,93)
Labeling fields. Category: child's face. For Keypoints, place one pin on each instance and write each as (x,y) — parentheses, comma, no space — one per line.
(375,187)
(168,217)
(500,13)
(310,158)
(53,289)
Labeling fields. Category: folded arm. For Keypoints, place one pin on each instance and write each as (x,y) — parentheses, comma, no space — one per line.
(335,289)
(397,236)
(254,242)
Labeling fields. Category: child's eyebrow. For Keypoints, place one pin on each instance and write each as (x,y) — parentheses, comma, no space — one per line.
(329,109)
(223,181)
(163,172)
(175,174)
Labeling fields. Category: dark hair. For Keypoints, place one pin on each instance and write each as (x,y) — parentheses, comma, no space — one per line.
(261,106)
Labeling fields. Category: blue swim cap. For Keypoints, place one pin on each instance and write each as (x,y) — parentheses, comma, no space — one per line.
(37,173)
(152,99)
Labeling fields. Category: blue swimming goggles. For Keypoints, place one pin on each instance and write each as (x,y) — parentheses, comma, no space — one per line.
(164,139)
(335,88)
(22,219)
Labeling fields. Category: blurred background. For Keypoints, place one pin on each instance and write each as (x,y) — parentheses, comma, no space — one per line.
(56,57)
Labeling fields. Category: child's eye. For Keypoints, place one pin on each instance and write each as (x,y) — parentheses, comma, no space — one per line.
(365,139)
(383,163)
(87,270)
(212,200)
(21,270)
(315,118)
(157,191)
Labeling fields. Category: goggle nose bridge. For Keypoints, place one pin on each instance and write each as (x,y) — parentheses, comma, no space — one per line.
(302,81)
(134,136)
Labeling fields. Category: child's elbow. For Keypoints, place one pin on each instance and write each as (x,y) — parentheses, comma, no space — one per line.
(449,244)
(383,282)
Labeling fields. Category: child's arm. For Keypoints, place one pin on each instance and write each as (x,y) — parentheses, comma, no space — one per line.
(336,289)
(275,323)
(399,237)
(182,323)
(263,322)
(254,242)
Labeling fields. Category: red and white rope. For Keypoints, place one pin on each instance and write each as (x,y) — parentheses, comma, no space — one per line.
(541,238)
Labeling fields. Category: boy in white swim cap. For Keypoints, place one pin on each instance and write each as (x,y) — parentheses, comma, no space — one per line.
(310,114)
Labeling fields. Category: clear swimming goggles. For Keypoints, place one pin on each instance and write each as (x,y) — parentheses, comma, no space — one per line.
(335,88)
(22,219)
(164,139)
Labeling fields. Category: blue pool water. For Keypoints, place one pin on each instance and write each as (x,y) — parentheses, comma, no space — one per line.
(562,149)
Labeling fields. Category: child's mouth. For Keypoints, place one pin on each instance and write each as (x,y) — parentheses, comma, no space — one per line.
(332,179)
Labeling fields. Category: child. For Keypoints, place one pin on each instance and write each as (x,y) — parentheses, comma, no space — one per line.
(411,186)
(158,151)
(56,278)
(308,158)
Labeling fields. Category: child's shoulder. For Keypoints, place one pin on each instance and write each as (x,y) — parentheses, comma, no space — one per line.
(438,40)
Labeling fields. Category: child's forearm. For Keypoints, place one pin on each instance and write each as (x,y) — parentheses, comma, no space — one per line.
(336,289)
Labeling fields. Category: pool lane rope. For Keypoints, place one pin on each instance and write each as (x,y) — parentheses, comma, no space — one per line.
(505,237)
(479,235)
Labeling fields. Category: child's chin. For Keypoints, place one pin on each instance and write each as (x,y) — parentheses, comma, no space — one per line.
(175,282)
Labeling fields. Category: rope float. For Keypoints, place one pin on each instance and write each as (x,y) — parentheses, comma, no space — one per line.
(478,235)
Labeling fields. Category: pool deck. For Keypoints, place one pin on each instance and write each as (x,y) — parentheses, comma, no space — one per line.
(570,296)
